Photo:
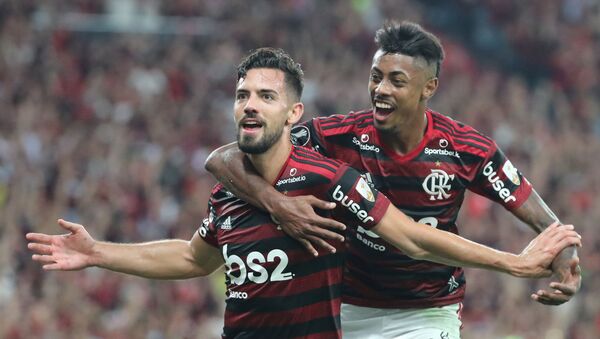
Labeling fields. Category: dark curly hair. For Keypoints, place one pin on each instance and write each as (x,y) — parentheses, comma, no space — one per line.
(275,58)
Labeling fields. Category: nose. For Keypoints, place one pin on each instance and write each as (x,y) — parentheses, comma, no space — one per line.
(250,106)
(383,88)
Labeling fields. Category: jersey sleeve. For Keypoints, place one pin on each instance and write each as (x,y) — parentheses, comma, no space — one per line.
(208,229)
(500,181)
(358,202)
(308,134)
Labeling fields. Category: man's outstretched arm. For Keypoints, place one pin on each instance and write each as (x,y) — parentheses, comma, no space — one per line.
(164,259)
(535,213)
(296,215)
(423,242)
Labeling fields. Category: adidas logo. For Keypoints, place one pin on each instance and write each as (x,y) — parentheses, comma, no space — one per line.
(226,225)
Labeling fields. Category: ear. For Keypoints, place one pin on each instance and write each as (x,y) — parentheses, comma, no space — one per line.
(429,89)
(295,113)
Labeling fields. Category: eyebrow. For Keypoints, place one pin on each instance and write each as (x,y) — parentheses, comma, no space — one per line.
(262,91)
(394,73)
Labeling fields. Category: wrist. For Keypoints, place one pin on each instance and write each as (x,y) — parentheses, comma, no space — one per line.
(271,202)
(564,257)
(515,265)
(96,257)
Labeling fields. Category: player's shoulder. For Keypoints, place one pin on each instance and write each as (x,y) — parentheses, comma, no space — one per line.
(308,161)
(463,137)
(344,123)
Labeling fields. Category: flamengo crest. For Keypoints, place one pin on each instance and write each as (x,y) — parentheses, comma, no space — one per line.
(437,184)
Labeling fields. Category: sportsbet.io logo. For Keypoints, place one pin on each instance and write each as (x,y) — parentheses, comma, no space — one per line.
(437,184)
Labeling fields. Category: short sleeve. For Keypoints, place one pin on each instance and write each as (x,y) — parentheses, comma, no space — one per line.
(308,134)
(357,200)
(207,229)
(499,180)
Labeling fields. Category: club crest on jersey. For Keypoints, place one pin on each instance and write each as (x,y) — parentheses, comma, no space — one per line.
(362,187)
(300,135)
(437,184)
(511,172)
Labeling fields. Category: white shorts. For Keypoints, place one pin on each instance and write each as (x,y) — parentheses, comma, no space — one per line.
(381,323)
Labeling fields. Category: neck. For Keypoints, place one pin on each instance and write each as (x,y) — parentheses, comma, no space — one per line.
(269,163)
(408,133)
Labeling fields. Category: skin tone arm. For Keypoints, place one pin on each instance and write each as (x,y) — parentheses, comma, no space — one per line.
(535,213)
(298,218)
(296,215)
(423,242)
(164,259)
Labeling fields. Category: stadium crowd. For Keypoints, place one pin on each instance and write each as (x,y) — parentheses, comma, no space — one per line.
(110,127)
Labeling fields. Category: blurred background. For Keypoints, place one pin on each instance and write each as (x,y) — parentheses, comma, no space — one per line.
(108,110)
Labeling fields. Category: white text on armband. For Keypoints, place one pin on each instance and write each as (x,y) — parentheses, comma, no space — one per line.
(497,184)
(352,206)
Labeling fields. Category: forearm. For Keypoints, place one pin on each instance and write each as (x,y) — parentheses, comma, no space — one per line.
(450,249)
(164,259)
(230,167)
(536,214)
(423,242)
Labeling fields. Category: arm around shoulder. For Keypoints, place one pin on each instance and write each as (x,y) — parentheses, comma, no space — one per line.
(230,166)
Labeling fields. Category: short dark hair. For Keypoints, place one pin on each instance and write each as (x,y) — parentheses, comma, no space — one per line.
(410,39)
(274,58)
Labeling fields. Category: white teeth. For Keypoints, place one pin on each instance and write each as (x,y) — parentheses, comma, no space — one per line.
(382,105)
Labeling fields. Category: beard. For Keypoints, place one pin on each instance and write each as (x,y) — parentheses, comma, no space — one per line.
(259,145)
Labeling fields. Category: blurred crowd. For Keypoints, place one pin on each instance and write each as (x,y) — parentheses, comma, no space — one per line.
(108,110)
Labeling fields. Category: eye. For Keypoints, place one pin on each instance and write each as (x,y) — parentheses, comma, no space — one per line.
(375,77)
(268,97)
(241,96)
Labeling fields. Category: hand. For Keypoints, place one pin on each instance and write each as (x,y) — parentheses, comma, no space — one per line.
(538,255)
(67,252)
(568,273)
(297,218)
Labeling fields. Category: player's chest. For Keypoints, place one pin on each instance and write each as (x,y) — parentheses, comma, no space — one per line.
(254,248)
(423,180)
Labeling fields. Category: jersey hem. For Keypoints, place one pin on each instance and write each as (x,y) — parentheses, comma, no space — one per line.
(390,304)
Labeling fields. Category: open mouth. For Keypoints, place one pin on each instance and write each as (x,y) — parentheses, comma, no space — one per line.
(383,109)
(251,125)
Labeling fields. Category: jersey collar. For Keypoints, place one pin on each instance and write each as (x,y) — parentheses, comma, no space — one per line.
(414,152)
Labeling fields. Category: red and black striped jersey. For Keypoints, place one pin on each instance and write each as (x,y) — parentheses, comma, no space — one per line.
(275,288)
(428,184)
